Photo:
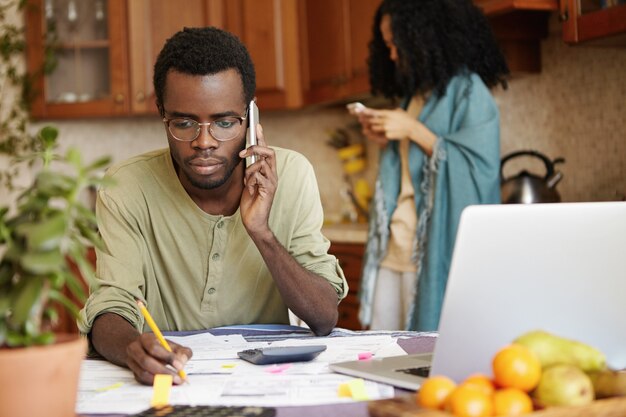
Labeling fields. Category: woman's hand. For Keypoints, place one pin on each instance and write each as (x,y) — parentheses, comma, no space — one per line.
(365,118)
(397,124)
(393,124)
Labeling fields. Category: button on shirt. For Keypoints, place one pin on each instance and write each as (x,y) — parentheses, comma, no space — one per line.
(197,270)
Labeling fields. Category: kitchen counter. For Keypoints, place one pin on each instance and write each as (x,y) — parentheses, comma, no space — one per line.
(346,232)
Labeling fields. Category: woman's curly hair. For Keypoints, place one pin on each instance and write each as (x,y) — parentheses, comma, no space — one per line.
(436,40)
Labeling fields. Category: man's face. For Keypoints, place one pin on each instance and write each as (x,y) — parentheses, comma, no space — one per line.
(205,163)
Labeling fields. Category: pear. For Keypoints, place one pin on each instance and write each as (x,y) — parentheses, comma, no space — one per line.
(609,383)
(552,350)
(563,385)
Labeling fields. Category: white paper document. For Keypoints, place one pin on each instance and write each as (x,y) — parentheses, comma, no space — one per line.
(218,377)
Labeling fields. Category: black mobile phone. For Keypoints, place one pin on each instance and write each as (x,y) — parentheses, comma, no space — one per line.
(253,120)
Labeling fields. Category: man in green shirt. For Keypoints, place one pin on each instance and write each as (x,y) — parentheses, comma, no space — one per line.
(200,238)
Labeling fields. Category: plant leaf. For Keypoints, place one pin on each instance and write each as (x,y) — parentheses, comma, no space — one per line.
(44,235)
(98,164)
(26,300)
(14,339)
(5,306)
(86,214)
(52,315)
(73,157)
(54,184)
(40,263)
(3,332)
(89,234)
(48,135)
(6,273)
(45,338)
(69,305)
(76,288)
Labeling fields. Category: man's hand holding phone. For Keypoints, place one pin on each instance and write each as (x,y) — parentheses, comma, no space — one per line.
(260,178)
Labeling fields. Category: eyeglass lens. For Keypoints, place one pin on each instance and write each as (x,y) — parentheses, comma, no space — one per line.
(222,129)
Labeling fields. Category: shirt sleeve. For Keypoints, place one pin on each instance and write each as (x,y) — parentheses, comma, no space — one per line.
(119,277)
(307,244)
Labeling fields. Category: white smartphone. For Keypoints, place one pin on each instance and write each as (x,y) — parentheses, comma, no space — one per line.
(253,120)
(356,108)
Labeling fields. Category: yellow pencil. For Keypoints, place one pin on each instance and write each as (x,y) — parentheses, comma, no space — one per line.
(157,333)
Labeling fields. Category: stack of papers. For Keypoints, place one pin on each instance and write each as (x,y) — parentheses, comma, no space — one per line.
(217,376)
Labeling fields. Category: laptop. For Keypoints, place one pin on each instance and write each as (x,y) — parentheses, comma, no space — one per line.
(518,267)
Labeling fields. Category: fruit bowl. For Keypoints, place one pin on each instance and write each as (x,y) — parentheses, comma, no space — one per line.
(406,407)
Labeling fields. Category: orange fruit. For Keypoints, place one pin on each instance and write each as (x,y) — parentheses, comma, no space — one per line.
(481,381)
(435,391)
(516,366)
(511,402)
(469,401)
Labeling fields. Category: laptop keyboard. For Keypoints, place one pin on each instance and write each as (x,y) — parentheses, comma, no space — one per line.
(422,371)
(207,411)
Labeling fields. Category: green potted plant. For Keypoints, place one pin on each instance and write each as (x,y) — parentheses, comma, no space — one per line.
(49,231)
(44,235)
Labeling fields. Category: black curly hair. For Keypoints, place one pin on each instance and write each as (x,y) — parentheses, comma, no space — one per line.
(436,40)
(203,51)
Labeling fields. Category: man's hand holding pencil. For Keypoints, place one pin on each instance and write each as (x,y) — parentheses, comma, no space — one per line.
(151,354)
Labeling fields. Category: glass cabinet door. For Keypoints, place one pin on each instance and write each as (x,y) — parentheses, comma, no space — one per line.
(589,6)
(82,72)
(86,39)
(586,20)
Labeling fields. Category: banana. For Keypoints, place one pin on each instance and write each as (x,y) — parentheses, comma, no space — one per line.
(609,383)
(553,350)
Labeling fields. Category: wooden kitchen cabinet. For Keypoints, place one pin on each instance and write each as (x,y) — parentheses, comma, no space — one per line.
(587,20)
(150,24)
(498,7)
(303,53)
(91,77)
(338,47)
(109,74)
(350,256)
(519,27)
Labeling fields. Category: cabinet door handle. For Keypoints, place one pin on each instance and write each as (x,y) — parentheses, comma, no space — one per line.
(140,97)
(119,98)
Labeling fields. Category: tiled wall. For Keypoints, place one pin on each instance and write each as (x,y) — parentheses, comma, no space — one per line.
(574,109)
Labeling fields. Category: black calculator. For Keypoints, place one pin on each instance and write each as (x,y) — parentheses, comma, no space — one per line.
(281,354)
(206,411)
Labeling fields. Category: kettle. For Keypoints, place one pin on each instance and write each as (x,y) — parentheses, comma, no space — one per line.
(528,188)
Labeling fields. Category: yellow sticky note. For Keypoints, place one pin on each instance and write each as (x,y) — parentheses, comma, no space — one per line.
(357,389)
(344,390)
(161,390)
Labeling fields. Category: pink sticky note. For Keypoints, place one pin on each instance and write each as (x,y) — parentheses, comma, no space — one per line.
(363,356)
(276,369)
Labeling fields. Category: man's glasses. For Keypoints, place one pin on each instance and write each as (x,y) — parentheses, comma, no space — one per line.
(222,129)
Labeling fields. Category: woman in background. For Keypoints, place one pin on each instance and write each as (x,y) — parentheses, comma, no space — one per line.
(440,151)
